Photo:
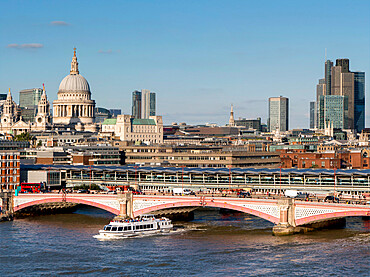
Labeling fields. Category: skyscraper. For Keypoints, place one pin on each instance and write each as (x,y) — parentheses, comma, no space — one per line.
(313,114)
(28,102)
(359,95)
(136,104)
(143,104)
(343,83)
(333,109)
(328,66)
(147,103)
(278,118)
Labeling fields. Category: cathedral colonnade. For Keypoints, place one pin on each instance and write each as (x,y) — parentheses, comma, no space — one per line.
(74,110)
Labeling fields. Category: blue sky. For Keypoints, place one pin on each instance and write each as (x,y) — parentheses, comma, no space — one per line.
(198,56)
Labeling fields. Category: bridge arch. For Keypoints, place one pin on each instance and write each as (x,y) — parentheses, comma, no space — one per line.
(69,200)
(328,216)
(207,203)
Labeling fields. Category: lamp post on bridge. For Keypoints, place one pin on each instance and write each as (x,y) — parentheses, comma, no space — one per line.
(136,167)
(90,167)
(229,166)
(335,181)
(182,179)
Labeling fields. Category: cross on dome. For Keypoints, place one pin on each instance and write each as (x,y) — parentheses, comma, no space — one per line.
(74,64)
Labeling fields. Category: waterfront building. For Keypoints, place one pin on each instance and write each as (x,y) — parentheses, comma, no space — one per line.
(278,114)
(74,106)
(359,95)
(128,128)
(10,169)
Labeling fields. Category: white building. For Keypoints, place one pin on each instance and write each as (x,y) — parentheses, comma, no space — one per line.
(128,128)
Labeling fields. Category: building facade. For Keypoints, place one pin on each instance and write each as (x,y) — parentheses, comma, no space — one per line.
(278,114)
(10,169)
(333,109)
(28,102)
(128,128)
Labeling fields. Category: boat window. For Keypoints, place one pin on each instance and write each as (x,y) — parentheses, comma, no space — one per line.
(120,229)
(107,228)
(125,229)
(151,225)
(114,229)
(129,228)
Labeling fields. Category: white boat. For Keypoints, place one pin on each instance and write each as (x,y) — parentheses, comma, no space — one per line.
(144,225)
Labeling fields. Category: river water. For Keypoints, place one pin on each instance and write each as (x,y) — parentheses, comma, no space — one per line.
(212,244)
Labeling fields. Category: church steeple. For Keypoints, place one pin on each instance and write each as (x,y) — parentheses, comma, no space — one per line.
(231,120)
(9,96)
(74,64)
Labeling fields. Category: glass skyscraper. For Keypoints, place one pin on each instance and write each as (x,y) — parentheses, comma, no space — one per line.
(28,102)
(143,103)
(136,104)
(359,100)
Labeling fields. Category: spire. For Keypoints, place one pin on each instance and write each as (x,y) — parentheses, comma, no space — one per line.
(9,97)
(74,63)
(43,89)
(231,120)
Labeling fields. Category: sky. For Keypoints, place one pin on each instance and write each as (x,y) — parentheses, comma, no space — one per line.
(198,56)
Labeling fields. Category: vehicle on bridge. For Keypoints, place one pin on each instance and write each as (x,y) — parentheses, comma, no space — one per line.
(144,225)
(31,187)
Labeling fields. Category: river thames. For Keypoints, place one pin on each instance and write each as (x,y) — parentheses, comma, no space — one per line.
(212,244)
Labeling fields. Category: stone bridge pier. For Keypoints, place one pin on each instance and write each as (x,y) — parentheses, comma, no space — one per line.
(125,205)
(286,225)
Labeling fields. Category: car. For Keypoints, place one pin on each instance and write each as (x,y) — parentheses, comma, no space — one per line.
(331,199)
(82,191)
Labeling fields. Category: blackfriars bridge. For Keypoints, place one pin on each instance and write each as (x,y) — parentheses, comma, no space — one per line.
(288,215)
(346,181)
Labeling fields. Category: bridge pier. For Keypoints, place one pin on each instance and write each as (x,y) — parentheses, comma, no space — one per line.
(286,226)
(6,200)
(125,205)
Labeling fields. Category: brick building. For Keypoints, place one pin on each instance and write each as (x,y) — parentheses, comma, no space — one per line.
(10,169)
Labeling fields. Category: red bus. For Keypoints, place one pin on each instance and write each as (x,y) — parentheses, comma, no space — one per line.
(30,187)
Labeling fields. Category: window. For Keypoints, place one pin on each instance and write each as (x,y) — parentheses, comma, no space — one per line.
(107,228)
(114,229)
(120,229)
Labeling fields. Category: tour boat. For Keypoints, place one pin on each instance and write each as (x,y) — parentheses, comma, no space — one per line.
(144,225)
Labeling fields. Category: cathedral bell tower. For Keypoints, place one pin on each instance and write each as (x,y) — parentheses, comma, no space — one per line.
(43,117)
(9,115)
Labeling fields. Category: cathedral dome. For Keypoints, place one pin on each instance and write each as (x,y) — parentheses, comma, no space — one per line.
(74,83)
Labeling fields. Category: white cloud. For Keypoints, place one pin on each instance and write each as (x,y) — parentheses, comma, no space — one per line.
(59,23)
(25,45)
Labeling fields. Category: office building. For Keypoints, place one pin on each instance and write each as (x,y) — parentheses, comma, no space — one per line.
(147,103)
(343,83)
(278,114)
(313,115)
(28,102)
(136,104)
(328,66)
(333,110)
(359,95)
(254,124)
(143,104)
